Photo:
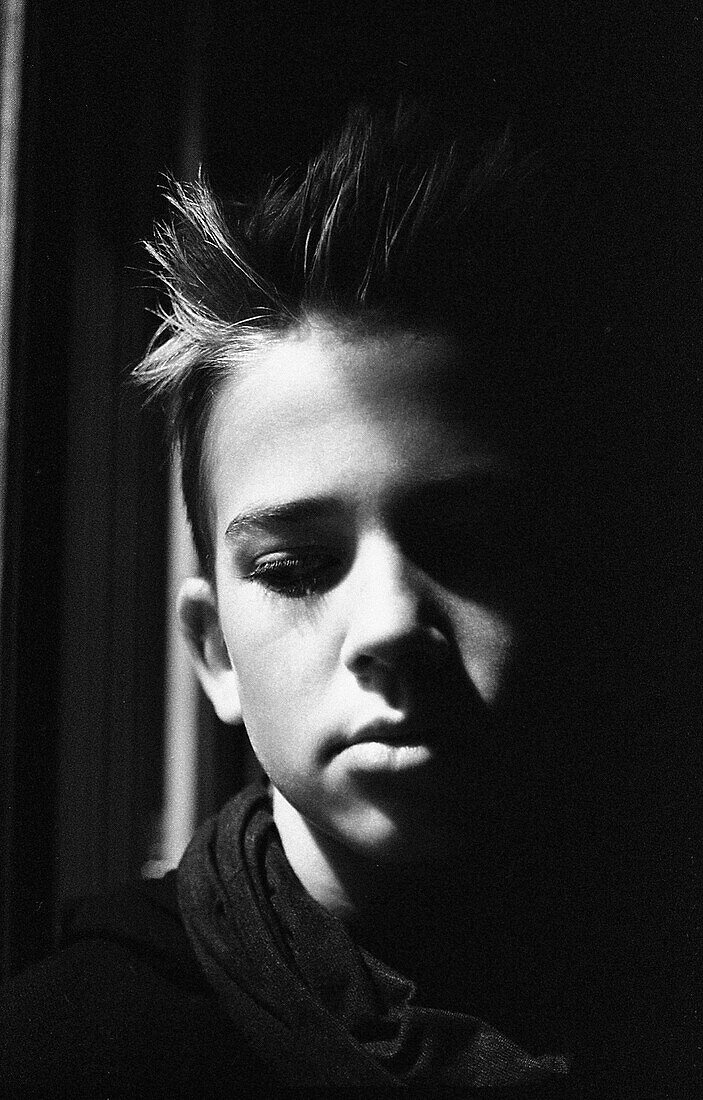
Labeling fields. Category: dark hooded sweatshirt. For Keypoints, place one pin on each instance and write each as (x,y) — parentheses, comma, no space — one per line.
(226,979)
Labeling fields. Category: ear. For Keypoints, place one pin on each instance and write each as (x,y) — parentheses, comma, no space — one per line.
(200,624)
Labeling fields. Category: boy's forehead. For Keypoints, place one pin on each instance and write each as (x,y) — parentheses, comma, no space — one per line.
(321,410)
(368,367)
(320,373)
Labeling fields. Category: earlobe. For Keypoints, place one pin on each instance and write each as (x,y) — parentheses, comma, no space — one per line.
(200,624)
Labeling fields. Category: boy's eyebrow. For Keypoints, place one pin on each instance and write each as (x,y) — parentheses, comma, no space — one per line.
(313,509)
(290,512)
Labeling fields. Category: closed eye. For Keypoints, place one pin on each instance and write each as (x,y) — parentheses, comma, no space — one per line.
(296,574)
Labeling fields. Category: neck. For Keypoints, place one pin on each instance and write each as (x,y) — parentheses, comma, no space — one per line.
(343,882)
(414,917)
(454,930)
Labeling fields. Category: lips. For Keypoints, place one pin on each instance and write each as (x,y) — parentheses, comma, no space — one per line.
(387,747)
(389,733)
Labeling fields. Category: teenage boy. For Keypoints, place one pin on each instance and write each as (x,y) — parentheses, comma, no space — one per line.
(376,426)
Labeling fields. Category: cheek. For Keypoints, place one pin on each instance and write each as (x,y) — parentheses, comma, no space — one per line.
(284,669)
(281,699)
(272,638)
(487,644)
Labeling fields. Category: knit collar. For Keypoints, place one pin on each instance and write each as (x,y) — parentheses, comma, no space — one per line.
(306,998)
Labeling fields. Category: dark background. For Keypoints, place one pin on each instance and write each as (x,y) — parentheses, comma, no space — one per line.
(113,94)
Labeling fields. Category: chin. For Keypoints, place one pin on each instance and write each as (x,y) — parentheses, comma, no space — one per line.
(382,839)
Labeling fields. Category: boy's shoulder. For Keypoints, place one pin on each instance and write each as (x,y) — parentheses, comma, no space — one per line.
(122,1009)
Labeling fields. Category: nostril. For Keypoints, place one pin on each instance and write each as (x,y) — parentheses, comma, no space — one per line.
(413,657)
(389,680)
(363,666)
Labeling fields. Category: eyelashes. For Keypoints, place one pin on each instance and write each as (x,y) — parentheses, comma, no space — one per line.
(484,555)
(296,575)
(468,564)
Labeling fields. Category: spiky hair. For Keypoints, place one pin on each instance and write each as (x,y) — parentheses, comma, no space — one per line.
(391,225)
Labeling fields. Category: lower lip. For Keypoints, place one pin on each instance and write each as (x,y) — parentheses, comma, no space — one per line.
(382,756)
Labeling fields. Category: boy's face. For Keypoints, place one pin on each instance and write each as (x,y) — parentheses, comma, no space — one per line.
(368,586)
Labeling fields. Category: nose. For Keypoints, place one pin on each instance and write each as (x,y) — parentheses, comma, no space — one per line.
(391,628)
